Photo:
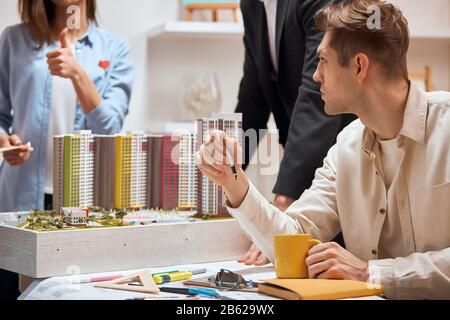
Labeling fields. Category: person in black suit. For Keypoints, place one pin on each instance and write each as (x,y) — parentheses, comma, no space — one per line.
(280,41)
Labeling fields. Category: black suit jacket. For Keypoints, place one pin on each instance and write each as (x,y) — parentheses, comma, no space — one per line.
(305,131)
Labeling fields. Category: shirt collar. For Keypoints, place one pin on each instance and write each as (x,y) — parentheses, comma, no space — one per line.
(414,119)
(87,38)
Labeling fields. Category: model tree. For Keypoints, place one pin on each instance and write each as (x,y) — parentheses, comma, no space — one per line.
(120,214)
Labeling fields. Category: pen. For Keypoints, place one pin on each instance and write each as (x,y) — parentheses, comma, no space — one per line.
(191,291)
(233,167)
(198,271)
(193,271)
(195,291)
(100,279)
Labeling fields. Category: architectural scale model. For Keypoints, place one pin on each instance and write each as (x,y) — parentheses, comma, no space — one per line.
(136,171)
(210,197)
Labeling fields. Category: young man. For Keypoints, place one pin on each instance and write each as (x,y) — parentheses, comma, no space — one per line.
(386,182)
(280,44)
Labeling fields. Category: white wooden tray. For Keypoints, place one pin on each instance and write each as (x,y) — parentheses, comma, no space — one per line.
(58,253)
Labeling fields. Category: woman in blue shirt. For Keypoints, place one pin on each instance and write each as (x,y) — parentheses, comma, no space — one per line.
(54,81)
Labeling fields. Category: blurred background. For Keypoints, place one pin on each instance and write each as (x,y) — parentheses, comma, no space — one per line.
(179,63)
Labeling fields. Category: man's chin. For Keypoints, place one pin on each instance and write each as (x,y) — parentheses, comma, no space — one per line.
(330,111)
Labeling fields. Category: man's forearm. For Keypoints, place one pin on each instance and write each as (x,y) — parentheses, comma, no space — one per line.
(418,276)
(236,190)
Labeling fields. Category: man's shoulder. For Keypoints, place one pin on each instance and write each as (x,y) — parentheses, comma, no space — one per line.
(351,132)
(438,106)
(438,99)
(438,115)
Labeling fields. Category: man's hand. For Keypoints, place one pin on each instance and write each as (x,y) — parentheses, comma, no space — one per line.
(16,157)
(331,261)
(282,202)
(254,256)
(215,158)
(62,62)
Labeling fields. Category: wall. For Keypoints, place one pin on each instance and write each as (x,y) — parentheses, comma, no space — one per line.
(157,86)
(428,15)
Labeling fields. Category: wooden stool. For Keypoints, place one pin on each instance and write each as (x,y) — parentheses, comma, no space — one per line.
(214,7)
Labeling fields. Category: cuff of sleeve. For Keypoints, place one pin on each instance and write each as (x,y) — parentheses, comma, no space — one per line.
(247,207)
(97,115)
(381,272)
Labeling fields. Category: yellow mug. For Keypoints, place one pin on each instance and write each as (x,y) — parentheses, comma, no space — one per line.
(291,251)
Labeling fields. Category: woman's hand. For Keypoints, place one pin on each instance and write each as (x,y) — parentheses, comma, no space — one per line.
(62,62)
(215,159)
(16,157)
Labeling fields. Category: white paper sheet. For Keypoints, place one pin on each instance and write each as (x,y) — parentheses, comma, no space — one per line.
(66,288)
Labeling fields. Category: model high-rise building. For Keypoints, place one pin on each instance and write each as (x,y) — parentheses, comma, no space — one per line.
(170,172)
(154,171)
(139,154)
(210,197)
(73,170)
(187,180)
(105,171)
(58,172)
(131,171)
(206,189)
(231,124)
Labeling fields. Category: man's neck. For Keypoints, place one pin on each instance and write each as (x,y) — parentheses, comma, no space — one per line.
(385,109)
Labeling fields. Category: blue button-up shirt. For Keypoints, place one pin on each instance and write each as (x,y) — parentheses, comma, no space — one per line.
(25,102)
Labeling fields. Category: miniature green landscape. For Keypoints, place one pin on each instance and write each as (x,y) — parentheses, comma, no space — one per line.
(40,220)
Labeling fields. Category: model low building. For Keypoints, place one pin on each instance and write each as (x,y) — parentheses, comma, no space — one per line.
(75,216)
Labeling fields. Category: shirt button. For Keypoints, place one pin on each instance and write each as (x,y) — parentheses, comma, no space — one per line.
(382,211)
(374,252)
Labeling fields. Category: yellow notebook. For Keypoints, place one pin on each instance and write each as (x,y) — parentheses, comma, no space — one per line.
(317,289)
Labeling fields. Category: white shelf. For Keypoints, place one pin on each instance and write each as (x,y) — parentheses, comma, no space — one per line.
(207,30)
(216,30)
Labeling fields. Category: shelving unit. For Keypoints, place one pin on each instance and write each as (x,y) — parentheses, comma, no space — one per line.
(180,48)
(204,30)
(214,31)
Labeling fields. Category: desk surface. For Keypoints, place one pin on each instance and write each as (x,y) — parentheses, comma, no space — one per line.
(66,288)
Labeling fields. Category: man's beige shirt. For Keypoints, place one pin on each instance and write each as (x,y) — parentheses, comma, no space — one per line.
(403,232)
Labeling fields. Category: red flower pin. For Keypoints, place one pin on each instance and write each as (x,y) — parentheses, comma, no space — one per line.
(104,64)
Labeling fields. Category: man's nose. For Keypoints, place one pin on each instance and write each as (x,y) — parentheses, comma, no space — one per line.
(316,76)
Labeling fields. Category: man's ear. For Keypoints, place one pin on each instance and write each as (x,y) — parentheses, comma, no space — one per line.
(362,64)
